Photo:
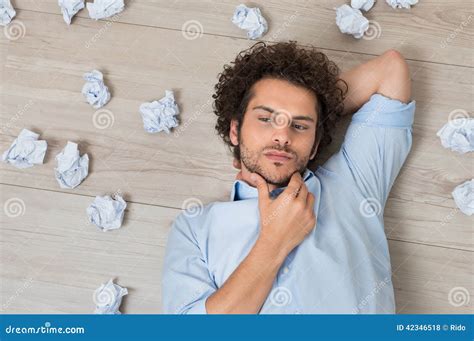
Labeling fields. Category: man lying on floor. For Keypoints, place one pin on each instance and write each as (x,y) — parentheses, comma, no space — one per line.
(291,240)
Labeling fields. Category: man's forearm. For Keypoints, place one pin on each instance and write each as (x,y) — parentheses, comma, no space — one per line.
(246,289)
(387,74)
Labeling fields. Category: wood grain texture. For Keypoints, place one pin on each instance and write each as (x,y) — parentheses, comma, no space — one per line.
(433,30)
(144,53)
(53,259)
(56,259)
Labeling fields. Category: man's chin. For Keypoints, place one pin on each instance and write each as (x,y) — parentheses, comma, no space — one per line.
(279,178)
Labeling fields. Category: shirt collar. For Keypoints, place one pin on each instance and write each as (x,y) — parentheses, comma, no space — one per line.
(242,190)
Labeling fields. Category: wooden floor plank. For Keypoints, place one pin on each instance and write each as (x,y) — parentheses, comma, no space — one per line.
(53,260)
(433,30)
(431,280)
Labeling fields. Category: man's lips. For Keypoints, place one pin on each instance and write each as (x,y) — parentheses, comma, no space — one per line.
(278,156)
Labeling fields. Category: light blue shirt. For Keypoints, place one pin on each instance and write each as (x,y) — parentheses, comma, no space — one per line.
(342,266)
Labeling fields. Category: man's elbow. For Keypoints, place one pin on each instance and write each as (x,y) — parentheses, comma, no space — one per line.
(395,76)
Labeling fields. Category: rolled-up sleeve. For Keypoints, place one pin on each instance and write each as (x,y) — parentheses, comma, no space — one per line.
(186,282)
(376,145)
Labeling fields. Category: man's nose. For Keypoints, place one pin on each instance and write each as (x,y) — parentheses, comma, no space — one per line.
(281,136)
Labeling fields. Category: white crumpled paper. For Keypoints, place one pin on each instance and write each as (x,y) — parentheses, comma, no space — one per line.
(95,91)
(402,3)
(160,115)
(108,298)
(251,20)
(464,197)
(7,12)
(101,9)
(26,150)
(364,5)
(107,212)
(351,21)
(71,168)
(458,135)
(69,8)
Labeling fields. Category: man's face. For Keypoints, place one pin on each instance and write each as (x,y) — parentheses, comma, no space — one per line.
(277,137)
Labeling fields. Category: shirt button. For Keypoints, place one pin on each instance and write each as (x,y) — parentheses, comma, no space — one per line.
(285,270)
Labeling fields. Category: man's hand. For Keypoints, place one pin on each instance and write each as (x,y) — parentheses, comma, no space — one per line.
(285,222)
(387,74)
(288,219)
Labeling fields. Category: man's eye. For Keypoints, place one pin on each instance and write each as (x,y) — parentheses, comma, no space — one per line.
(265,119)
(299,127)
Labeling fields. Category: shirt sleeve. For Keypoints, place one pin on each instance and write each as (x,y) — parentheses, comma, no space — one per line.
(186,282)
(375,147)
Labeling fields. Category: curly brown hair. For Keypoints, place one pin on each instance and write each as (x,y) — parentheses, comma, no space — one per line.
(304,67)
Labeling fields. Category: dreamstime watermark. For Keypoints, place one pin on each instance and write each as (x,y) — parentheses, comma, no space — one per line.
(14,207)
(449,216)
(183,127)
(450,38)
(458,118)
(287,23)
(102,30)
(281,296)
(276,212)
(15,30)
(103,119)
(371,116)
(19,114)
(370,207)
(192,29)
(374,31)
(46,329)
(18,292)
(379,286)
(459,296)
(103,297)
(192,207)
(280,119)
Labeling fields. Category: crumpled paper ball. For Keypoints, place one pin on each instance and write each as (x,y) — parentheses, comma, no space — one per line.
(458,135)
(71,168)
(251,20)
(351,21)
(95,91)
(26,150)
(402,3)
(69,8)
(108,298)
(160,115)
(100,9)
(464,197)
(7,12)
(106,212)
(364,5)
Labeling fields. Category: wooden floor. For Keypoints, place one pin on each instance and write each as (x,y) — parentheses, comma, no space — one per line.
(52,260)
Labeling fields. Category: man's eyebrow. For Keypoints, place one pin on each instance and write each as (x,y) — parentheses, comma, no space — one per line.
(264,107)
(294,118)
(302,118)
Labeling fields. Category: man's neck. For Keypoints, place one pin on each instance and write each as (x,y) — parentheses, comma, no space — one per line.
(246,177)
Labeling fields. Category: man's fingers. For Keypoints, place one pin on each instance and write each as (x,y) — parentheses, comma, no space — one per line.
(236,163)
(262,186)
(310,201)
(295,183)
(303,192)
(238,176)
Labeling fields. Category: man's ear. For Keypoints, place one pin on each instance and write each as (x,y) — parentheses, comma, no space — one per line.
(319,133)
(233,134)
(313,154)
